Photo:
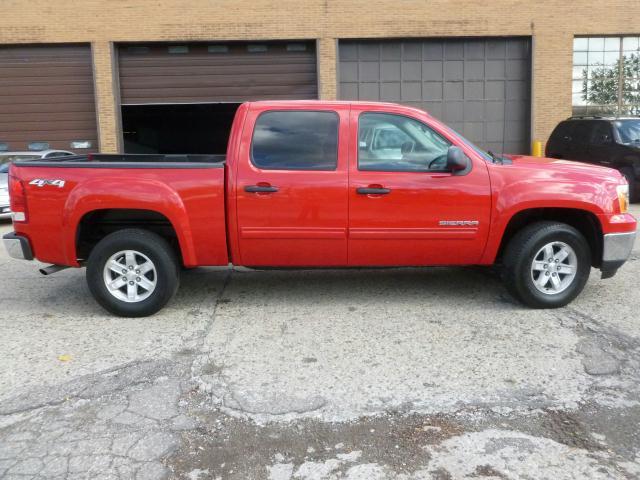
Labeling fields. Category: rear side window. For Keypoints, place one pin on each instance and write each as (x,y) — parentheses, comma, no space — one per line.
(296,140)
(582,131)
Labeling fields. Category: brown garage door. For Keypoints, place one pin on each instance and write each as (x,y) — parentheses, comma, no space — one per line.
(46,95)
(220,72)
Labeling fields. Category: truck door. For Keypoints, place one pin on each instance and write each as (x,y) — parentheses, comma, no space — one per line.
(292,186)
(403,209)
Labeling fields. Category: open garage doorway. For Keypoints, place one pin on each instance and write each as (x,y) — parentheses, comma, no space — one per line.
(180,98)
(201,128)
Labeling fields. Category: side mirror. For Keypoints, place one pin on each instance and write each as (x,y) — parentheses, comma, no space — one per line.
(456,159)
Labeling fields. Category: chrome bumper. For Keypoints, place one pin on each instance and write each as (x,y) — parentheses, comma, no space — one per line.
(17,246)
(615,251)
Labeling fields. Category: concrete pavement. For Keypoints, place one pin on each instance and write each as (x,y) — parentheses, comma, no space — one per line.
(371,374)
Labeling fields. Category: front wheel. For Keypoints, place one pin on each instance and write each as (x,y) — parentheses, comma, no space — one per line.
(546,264)
(132,273)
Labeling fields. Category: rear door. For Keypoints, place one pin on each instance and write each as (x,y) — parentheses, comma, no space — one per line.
(578,148)
(403,209)
(292,186)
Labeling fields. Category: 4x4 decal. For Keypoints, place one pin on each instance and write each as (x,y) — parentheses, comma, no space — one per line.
(40,182)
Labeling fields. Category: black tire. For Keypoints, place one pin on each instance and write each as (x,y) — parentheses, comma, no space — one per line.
(165,273)
(633,191)
(519,256)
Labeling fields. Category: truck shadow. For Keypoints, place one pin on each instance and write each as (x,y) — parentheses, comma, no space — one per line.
(66,293)
(471,286)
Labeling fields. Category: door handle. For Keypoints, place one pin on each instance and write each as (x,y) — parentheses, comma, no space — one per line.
(260,189)
(373,191)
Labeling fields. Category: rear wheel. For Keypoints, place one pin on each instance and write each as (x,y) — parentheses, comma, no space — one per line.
(547,264)
(132,273)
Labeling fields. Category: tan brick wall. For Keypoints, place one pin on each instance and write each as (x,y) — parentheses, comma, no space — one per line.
(551,23)
(106,88)
(327,52)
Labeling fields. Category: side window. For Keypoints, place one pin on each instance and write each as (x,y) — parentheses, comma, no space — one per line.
(581,131)
(395,143)
(601,134)
(296,140)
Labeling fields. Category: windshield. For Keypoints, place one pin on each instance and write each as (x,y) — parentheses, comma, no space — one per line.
(473,146)
(629,131)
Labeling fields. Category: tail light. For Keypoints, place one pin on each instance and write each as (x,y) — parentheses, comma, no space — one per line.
(17,199)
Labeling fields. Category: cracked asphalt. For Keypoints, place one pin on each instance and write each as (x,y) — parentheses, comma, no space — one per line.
(286,375)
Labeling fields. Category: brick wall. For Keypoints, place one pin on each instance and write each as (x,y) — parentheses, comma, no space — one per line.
(552,24)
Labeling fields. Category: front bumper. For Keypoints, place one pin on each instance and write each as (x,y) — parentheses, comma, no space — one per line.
(17,246)
(616,250)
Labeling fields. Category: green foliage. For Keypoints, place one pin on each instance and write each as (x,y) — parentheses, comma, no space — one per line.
(603,86)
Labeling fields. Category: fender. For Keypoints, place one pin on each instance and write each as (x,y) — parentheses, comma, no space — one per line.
(511,198)
(116,193)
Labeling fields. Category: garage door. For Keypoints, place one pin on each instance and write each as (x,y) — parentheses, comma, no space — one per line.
(480,87)
(222,72)
(46,95)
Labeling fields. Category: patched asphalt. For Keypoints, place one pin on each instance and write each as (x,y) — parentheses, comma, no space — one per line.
(360,374)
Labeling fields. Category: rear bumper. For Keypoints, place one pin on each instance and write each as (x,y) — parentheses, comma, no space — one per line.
(616,250)
(17,246)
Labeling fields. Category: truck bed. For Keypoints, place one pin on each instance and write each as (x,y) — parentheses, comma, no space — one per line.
(129,160)
(66,193)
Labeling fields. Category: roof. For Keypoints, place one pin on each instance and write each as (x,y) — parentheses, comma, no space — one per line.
(603,117)
(311,103)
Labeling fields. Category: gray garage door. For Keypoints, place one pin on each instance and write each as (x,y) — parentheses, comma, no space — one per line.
(479,87)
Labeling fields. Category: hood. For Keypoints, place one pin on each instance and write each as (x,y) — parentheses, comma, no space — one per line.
(557,167)
(551,182)
(4,180)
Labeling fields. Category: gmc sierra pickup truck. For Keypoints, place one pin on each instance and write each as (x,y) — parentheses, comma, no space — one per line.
(321,184)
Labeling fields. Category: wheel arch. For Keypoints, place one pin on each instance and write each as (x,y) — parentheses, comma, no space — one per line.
(584,221)
(98,223)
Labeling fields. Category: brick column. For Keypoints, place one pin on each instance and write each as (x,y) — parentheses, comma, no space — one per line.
(105,78)
(327,52)
(551,81)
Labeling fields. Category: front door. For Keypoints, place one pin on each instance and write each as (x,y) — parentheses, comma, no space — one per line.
(292,187)
(601,145)
(403,208)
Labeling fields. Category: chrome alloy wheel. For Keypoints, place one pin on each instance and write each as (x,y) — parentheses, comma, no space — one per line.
(130,276)
(554,268)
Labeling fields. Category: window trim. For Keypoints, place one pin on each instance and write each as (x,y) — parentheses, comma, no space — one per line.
(253,135)
(452,144)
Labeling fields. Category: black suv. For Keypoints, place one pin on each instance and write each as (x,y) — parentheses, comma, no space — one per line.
(608,141)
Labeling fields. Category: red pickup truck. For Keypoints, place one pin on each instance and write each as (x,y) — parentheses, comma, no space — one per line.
(321,184)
